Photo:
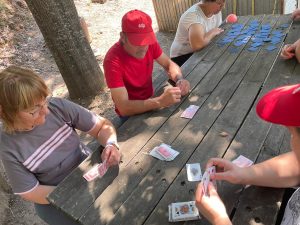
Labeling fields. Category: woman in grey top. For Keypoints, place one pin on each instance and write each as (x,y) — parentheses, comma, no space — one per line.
(39,144)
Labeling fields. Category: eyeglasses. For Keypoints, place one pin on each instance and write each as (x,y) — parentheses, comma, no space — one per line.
(39,107)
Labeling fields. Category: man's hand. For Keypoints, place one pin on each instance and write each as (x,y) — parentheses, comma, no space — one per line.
(111,155)
(288,51)
(226,170)
(211,206)
(170,96)
(184,86)
(296,14)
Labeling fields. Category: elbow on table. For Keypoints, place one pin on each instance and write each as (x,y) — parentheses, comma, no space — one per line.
(197,47)
(125,110)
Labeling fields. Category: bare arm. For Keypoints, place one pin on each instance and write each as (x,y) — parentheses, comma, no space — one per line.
(174,73)
(199,38)
(128,107)
(105,133)
(38,194)
(280,171)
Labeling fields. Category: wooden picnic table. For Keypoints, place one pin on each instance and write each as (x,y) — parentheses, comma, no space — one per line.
(226,85)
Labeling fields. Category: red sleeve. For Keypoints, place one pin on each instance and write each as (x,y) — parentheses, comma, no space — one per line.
(113,70)
(156,50)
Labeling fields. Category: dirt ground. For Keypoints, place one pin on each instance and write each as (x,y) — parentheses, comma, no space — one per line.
(21,43)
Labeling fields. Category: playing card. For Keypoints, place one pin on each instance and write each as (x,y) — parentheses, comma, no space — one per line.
(92,173)
(102,169)
(205,182)
(211,170)
(183,211)
(164,152)
(193,172)
(242,161)
(190,112)
(97,171)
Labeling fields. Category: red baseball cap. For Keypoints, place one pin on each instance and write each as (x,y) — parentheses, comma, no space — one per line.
(138,28)
(281,106)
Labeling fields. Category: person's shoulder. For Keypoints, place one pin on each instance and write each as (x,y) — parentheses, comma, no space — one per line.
(113,51)
(114,54)
(191,14)
(60,105)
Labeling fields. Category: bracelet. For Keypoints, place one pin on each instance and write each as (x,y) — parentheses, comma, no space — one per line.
(113,143)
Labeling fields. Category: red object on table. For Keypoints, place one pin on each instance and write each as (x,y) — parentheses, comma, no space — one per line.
(231,18)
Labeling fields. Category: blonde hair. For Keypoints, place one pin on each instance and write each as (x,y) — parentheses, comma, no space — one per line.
(20,89)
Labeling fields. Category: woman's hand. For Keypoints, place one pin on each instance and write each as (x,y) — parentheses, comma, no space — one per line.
(111,155)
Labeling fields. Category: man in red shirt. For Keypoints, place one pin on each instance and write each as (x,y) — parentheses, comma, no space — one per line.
(128,67)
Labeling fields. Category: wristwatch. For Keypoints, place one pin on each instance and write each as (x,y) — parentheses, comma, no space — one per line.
(113,143)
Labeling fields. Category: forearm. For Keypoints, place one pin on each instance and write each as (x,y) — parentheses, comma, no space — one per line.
(39,194)
(222,221)
(197,45)
(174,71)
(280,171)
(133,107)
(107,133)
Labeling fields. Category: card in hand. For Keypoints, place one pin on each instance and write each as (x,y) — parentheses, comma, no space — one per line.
(97,171)
(242,161)
(190,112)
(211,170)
(193,172)
(205,182)
(102,169)
(183,211)
(92,173)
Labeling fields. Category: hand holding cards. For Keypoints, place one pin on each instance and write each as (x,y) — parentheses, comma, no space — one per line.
(97,171)
(183,211)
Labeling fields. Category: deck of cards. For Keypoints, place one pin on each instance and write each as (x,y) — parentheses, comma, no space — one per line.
(193,172)
(96,171)
(242,161)
(190,112)
(164,152)
(183,211)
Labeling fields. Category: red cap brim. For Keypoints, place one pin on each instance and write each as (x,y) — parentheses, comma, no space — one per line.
(140,39)
(281,106)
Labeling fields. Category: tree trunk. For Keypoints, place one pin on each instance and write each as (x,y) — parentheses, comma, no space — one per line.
(60,26)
